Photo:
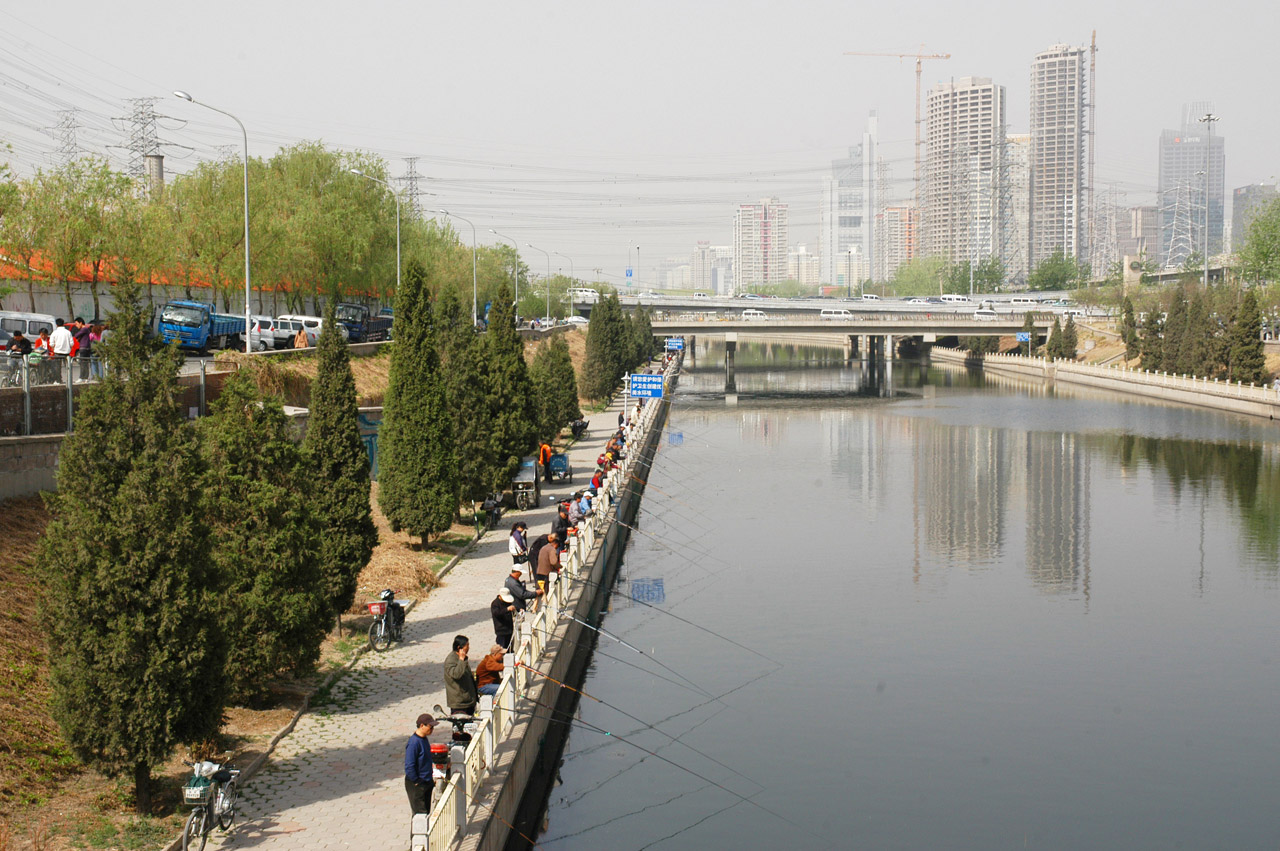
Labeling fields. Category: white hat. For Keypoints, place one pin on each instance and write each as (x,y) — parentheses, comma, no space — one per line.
(505,595)
(517,568)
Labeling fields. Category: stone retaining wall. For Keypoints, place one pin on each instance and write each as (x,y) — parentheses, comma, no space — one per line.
(28,465)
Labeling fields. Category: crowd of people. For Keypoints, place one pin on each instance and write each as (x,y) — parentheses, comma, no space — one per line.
(47,353)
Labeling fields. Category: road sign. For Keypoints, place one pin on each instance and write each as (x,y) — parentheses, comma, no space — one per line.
(628,271)
(646,386)
(1024,337)
(675,344)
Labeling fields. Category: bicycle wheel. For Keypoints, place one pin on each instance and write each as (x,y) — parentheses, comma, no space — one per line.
(196,832)
(379,635)
(227,811)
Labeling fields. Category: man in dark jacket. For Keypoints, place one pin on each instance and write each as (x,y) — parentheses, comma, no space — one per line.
(560,527)
(502,610)
(548,562)
(535,549)
(417,766)
(520,594)
(459,681)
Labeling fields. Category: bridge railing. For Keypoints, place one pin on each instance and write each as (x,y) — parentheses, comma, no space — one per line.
(448,818)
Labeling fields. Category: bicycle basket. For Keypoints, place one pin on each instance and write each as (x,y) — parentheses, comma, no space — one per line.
(378,608)
(197,791)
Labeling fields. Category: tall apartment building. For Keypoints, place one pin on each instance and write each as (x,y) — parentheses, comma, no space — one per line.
(700,266)
(895,240)
(760,243)
(1185,192)
(848,207)
(1058,138)
(1139,233)
(804,267)
(1015,209)
(965,135)
(1247,202)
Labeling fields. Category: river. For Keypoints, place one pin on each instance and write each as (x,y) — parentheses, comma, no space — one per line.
(938,611)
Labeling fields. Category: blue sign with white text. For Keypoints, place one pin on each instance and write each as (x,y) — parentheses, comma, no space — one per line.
(675,344)
(1024,337)
(646,386)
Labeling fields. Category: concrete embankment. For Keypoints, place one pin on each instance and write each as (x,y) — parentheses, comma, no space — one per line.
(1201,392)
(497,794)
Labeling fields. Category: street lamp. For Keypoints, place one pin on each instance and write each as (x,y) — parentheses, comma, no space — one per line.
(548,253)
(474,291)
(515,269)
(573,278)
(1207,119)
(248,323)
(360,173)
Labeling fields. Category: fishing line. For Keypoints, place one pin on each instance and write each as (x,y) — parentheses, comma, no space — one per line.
(625,815)
(707,817)
(648,656)
(599,652)
(639,720)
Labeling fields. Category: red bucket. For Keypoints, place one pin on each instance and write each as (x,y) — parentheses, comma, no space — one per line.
(439,762)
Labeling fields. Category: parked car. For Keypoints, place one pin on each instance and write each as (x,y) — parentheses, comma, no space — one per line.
(313,324)
(701,295)
(262,335)
(578,320)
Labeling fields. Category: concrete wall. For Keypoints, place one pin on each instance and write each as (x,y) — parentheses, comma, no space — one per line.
(28,465)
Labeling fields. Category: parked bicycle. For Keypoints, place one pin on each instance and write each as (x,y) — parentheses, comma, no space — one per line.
(212,790)
(388,620)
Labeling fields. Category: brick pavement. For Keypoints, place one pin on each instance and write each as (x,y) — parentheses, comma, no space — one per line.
(337,780)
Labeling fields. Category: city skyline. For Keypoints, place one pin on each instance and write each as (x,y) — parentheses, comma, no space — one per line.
(654,146)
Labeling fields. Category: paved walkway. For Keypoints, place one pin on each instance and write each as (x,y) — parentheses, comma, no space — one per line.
(337,781)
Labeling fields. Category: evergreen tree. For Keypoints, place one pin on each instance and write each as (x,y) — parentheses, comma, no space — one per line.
(606,338)
(418,466)
(1193,355)
(566,381)
(510,395)
(555,386)
(1129,330)
(1053,349)
(469,381)
(135,647)
(257,495)
(1246,357)
(1070,339)
(1175,327)
(1151,345)
(642,331)
(1029,328)
(338,466)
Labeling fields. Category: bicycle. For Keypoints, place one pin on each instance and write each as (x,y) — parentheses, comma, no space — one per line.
(212,790)
(388,619)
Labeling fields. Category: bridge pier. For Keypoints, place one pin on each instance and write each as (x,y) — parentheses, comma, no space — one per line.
(730,350)
(851,347)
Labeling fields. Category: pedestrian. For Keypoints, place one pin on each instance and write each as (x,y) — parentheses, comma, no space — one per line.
(520,593)
(544,458)
(535,549)
(459,681)
(95,364)
(517,545)
(502,610)
(621,418)
(417,766)
(84,346)
(548,562)
(61,342)
(560,526)
(300,339)
(489,671)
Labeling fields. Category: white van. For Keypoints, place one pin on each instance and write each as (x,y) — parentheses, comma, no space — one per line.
(986,314)
(753,315)
(28,323)
(870,297)
(829,313)
(956,299)
(1023,300)
(583,295)
(313,324)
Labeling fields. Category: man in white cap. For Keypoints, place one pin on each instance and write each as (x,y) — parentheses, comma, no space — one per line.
(519,593)
(502,610)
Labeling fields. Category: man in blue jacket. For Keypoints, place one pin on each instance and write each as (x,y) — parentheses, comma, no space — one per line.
(417,766)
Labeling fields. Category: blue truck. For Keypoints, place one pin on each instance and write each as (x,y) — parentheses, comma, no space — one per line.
(195,325)
(361,323)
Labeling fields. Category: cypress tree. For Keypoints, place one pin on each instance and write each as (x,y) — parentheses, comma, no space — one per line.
(1129,330)
(1053,349)
(606,340)
(555,386)
(418,466)
(1070,339)
(136,649)
(1193,355)
(1175,328)
(510,399)
(566,381)
(338,467)
(1247,358)
(642,333)
(1151,345)
(258,497)
(1029,328)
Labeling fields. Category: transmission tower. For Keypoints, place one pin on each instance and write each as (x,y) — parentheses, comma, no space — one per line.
(1104,250)
(227,152)
(64,132)
(1177,211)
(1008,246)
(141,124)
(410,181)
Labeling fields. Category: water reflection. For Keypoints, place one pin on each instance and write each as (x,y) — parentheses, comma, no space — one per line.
(966,473)
(1057,476)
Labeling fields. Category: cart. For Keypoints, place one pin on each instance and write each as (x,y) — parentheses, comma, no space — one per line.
(526,485)
(560,467)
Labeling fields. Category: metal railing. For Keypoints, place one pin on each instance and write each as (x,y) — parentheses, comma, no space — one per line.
(449,815)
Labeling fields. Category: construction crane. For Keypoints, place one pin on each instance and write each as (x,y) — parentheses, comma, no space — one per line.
(919,58)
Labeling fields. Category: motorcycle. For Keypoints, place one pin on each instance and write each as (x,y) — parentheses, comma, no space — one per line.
(388,620)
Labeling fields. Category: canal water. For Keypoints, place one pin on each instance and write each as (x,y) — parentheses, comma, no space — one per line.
(936,611)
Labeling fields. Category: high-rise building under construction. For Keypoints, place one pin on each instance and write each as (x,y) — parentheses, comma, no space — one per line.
(1058,139)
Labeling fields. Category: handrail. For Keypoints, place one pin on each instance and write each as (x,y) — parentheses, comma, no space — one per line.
(448,816)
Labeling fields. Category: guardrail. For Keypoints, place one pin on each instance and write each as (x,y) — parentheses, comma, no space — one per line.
(448,816)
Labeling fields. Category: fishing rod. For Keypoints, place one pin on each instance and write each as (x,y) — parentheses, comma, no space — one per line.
(645,484)
(648,656)
(674,682)
(655,754)
(639,720)
(693,624)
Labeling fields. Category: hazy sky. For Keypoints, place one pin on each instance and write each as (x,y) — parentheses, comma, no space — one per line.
(584,128)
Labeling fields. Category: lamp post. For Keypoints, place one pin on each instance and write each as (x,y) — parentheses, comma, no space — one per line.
(515,268)
(572,278)
(1207,120)
(548,253)
(475,319)
(248,323)
(395,195)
